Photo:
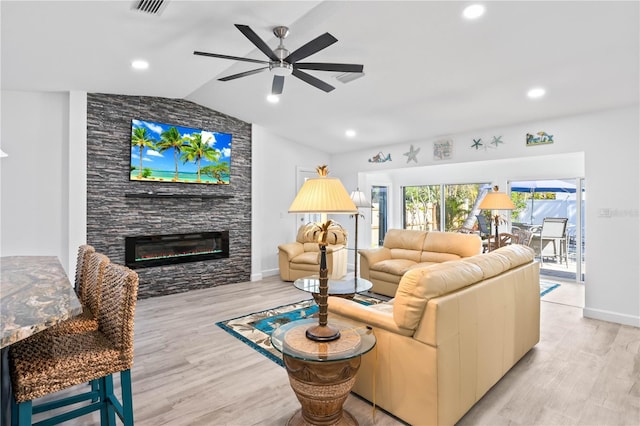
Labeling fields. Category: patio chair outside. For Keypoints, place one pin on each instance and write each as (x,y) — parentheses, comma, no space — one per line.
(553,236)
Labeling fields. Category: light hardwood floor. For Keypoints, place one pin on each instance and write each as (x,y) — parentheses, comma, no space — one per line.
(188,371)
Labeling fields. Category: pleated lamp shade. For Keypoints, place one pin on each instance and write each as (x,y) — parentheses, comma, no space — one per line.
(496,201)
(323,195)
(359,199)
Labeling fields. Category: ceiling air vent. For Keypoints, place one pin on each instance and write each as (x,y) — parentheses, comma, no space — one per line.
(349,76)
(154,7)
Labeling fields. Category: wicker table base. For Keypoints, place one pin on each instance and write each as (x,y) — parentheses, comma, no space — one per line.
(322,388)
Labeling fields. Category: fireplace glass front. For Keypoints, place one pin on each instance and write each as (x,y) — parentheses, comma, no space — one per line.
(156,250)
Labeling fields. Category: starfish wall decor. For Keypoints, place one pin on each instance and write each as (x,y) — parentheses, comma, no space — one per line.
(495,142)
(477,143)
(412,154)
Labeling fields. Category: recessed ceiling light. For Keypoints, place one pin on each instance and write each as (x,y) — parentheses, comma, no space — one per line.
(473,11)
(536,92)
(274,99)
(350,133)
(139,64)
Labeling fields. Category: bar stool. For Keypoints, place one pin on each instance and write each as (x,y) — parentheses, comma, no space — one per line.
(56,361)
(81,265)
(90,295)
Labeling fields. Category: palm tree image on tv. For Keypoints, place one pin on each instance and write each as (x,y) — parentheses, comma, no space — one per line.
(140,138)
(171,139)
(171,153)
(197,149)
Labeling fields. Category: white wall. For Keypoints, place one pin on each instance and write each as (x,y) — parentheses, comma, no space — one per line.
(274,164)
(602,147)
(34,177)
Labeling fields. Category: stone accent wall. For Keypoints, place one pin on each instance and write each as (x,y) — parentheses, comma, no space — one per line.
(112,215)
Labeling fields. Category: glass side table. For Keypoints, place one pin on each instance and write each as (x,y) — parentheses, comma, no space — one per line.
(346,287)
(322,374)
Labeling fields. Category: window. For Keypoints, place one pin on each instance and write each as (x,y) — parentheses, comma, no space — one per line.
(421,209)
(426,205)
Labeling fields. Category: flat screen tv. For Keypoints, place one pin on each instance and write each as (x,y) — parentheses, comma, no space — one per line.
(169,153)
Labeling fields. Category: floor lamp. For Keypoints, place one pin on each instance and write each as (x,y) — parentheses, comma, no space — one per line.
(359,200)
(496,201)
(323,195)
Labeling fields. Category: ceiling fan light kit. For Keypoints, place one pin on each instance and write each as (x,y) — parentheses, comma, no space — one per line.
(283,63)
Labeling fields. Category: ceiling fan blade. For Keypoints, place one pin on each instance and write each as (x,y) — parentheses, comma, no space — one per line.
(257,41)
(315,82)
(278,84)
(242,74)
(328,67)
(234,58)
(315,45)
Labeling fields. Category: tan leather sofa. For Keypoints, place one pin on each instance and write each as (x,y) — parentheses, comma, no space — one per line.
(452,331)
(301,258)
(405,249)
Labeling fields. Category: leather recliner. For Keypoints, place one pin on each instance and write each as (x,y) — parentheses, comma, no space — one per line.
(301,258)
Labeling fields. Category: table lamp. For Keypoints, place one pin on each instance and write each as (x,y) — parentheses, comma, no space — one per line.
(359,200)
(323,195)
(496,201)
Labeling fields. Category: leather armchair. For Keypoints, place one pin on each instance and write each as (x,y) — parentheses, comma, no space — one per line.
(301,258)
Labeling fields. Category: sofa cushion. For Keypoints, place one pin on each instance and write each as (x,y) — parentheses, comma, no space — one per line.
(402,254)
(445,246)
(313,247)
(404,239)
(491,264)
(423,265)
(393,266)
(418,286)
(517,254)
(308,257)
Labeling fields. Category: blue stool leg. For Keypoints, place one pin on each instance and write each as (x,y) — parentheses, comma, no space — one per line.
(94,387)
(108,401)
(127,397)
(104,416)
(21,415)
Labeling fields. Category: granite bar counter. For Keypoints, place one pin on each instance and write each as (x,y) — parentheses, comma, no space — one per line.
(35,294)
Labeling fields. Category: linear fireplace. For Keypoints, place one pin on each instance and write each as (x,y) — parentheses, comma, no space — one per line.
(156,250)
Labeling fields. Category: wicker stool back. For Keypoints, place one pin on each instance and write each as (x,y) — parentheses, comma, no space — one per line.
(58,361)
(94,267)
(81,266)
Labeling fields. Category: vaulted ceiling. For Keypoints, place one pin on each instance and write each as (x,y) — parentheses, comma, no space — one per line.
(428,72)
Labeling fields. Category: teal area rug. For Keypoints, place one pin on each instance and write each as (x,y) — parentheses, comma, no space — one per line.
(547,287)
(255,329)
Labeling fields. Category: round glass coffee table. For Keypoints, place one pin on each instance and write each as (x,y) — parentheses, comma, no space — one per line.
(322,374)
(346,287)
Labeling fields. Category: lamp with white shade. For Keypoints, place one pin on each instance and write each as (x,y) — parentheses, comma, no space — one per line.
(323,195)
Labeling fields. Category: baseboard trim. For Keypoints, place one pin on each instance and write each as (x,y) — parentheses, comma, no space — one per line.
(609,316)
(264,274)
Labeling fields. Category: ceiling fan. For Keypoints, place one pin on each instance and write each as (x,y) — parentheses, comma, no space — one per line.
(282,62)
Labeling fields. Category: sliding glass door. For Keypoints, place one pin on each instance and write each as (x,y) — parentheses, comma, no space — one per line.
(425,206)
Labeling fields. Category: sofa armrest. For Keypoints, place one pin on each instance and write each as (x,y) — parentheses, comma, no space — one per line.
(375,255)
(367,315)
(291,249)
(334,247)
